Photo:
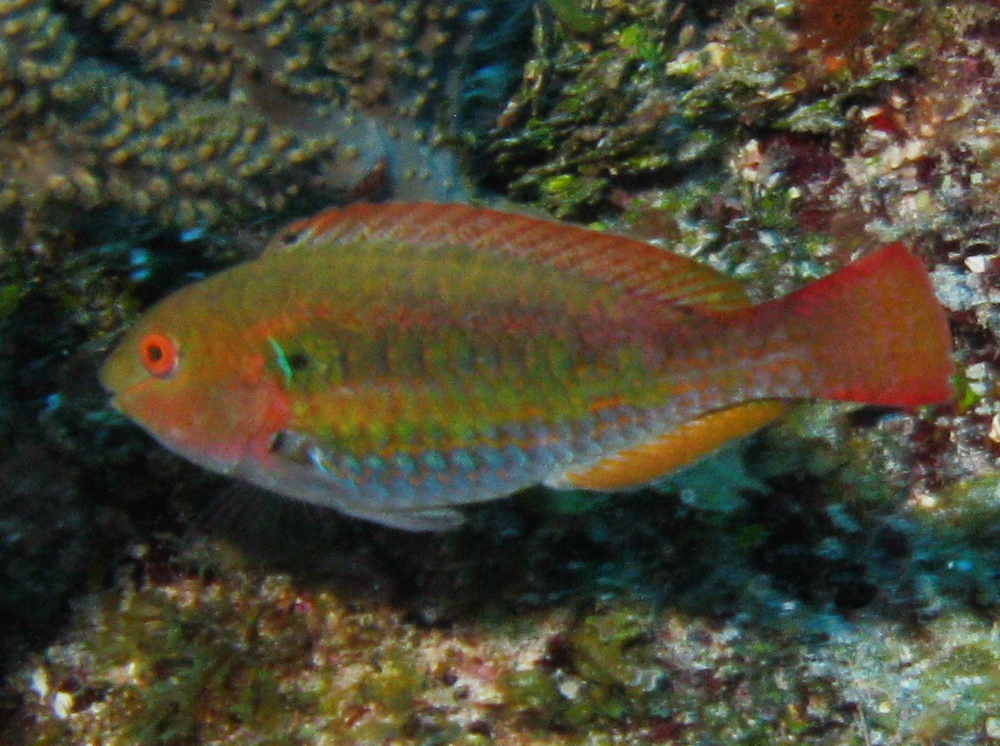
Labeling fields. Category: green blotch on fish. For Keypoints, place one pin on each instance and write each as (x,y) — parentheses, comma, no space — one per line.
(281,360)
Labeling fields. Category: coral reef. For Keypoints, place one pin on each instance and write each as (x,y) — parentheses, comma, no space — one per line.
(832,580)
(188,113)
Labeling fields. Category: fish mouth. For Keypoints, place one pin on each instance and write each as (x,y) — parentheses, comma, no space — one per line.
(118,375)
(121,399)
(107,382)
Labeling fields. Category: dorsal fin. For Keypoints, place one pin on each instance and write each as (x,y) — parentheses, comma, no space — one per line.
(669,452)
(633,266)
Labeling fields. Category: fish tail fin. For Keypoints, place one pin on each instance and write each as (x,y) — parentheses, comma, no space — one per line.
(876,332)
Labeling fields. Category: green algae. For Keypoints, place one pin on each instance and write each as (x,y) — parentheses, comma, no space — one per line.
(197,671)
(649,94)
(573,16)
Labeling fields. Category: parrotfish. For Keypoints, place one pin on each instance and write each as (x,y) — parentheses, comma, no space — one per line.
(397,361)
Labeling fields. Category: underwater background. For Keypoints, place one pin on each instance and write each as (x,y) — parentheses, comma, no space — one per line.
(833,580)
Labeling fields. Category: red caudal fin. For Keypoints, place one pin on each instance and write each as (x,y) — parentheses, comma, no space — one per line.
(876,332)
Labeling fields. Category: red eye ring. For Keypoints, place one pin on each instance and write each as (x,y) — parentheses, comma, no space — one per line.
(158,354)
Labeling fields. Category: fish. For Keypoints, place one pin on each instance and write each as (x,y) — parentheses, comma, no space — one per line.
(399,361)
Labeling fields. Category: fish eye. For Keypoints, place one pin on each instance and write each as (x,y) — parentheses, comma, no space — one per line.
(158,354)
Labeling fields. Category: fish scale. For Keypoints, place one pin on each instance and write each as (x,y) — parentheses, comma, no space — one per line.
(522,360)
(394,361)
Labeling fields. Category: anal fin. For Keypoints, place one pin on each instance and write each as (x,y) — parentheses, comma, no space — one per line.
(670,451)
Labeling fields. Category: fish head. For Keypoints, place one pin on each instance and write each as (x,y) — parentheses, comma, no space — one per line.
(182,374)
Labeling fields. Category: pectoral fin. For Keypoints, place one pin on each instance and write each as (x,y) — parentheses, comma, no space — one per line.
(427,519)
(666,453)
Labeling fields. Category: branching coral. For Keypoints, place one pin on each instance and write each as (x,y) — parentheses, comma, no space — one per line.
(183,112)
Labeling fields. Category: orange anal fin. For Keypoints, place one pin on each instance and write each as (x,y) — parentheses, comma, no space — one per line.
(680,447)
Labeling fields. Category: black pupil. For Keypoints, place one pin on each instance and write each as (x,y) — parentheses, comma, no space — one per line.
(154,353)
(298,361)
